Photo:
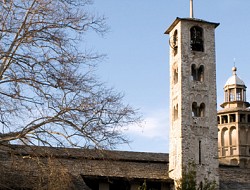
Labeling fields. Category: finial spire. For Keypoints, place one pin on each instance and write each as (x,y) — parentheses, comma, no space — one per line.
(234,69)
(191,9)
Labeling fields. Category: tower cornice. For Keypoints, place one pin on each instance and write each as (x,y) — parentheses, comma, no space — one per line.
(177,20)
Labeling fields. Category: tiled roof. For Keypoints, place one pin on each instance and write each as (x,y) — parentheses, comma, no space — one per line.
(102,163)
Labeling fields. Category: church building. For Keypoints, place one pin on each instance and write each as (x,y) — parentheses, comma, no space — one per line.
(216,144)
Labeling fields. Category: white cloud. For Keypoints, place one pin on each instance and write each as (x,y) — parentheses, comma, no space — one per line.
(152,136)
(156,124)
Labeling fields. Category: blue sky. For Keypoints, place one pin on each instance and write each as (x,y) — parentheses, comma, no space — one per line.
(138,54)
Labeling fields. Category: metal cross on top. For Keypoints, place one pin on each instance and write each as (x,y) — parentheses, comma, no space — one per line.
(191,9)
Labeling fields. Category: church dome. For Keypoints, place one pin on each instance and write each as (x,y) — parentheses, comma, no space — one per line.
(234,80)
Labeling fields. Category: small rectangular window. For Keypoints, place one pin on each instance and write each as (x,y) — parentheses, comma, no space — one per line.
(199,152)
(224,119)
(242,118)
(231,95)
(232,118)
(238,94)
(218,119)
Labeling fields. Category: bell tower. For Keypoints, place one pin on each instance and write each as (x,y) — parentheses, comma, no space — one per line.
(193,126)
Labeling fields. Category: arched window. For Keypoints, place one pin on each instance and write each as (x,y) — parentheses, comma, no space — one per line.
(175,112)
(225,137)
(194,109)
(197,73)
(224,141)
(198,111)
(173,42)
(233,136)
(175,75)
(202,110)
(196,34)
(233,140)
(193,72)
(200,73)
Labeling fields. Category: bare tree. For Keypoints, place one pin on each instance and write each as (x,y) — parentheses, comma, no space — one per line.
(48,92)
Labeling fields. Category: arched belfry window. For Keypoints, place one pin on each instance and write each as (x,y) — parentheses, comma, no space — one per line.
(194,109)
(200,73)
(202,110)
(196,34)
(175,112)
(198,110)
(175,70)
(197,73)
(193,72)
(173,42)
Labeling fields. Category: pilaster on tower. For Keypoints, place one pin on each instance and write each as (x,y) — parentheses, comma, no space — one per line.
(193,124)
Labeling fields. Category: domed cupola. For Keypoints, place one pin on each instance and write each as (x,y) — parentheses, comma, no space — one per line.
(235,92)
(234,80)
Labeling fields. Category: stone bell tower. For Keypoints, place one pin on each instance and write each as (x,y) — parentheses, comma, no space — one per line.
(193,126)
